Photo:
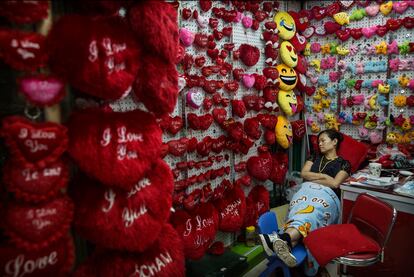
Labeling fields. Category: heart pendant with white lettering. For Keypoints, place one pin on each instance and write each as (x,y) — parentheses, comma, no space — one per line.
(42,90)
(197,229)
(116,148)
(36,226)
(34,144)
(165,258)
(55,260)
(142,210)
(231,208)
(35,184)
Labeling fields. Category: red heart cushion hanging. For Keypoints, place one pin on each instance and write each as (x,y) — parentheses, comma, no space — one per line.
(113,217)
(279,167)
(232,208)
(155,24)
(115,148)
(260,166)
(42,90)
(257,203)
(197,229)
(156,85)
(54,260)
(98,56)
(34,144)
(22,50)
(165,258)
(24,12)
(299,129)
(33,227)
(249,54)
(35,184)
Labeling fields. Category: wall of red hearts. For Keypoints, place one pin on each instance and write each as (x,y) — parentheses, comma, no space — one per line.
(361,69)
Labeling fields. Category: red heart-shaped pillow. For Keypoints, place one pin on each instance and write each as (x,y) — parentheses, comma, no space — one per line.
(199,122)
(279,167)
(102,60)
(178,147)
(34,144)
(33,227)
(175,125)
(155,25)
(42,90)
(164,259)
(23,50)
(55,260)
(197,229)
(249,54)
(331,27)
(238,108)
(112,147)
(260,167)
(24,12)
(257,204)
(219,115)
(113,217)
(252,128)
(35,184)
(204,146)
(268,121)
(231,208)
(299,129)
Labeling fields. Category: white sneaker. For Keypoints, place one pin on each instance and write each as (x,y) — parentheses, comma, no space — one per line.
(282,250)
(267,242)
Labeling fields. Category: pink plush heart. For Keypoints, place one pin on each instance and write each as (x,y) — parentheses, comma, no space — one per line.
(369,31)
(372,10)
(42,90)
(194,98)
(238,17)
(186,37)
(247,22)
(400,7)
(248,80)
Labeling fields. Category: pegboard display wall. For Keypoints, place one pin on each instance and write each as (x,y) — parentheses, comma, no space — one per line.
(367,100)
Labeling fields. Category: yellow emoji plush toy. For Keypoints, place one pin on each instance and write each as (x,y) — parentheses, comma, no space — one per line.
(285,24)
(288,54)
(283,131)
(287,77)
(384,88)
(406,126)
(341,18)
(391,138)
(287,102)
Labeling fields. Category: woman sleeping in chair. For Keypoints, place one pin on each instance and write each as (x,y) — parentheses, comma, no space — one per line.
(316,204)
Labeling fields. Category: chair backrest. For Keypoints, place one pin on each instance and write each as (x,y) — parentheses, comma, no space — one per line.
(268,223)
(373,217)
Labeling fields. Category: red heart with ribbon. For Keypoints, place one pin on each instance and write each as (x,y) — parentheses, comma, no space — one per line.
(35,184)
(125,149)
(113,217)
(34,144)
(231,209)
(197,229)
(33,227)
(42,90)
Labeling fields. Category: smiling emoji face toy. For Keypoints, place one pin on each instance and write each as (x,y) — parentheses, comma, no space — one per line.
(287,102)
(285,24)
(288,54)
(283,131)
(287,77)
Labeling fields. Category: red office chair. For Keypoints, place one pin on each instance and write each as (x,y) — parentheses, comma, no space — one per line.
(375,219)
(359,242)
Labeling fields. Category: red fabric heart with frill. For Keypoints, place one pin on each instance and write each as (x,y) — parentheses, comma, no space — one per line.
(197,229)
(112,147)
(164,259)
(35,184)
(34,144)
(33,227)
(113,217)
(102,60)
(23,50)
(232,208)
(55,260)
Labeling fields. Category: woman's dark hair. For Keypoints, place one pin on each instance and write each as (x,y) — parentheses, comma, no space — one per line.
(333,134)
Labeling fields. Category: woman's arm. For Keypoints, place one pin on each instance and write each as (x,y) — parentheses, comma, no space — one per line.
(308,175)
(333,182)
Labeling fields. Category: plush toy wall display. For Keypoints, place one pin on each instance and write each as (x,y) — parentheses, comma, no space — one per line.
(288,54)
(231,208)
(196,228)
(122,150)
(285,24)
(165,259)
(284,134)
(287,102)
(113,217)
(287,77)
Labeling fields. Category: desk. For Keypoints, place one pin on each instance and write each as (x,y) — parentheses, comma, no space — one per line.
(398,252)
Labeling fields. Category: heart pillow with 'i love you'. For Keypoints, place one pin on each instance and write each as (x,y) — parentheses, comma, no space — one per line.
(42,90)
(231,208)
(165,258)
(197,229)
(124,220)
(257,203)
(33,227)
(34,144)
(114,148)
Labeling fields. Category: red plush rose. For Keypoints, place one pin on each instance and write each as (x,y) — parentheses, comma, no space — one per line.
(165,258)
(35,184)
(34,144)
(55,260)
(33,227)
(22,50)
(113,217)
(115,148)
(197,229)
(101,60)
(231,208)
